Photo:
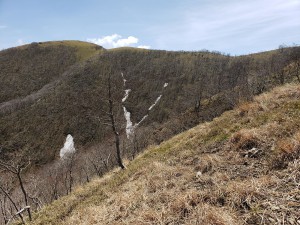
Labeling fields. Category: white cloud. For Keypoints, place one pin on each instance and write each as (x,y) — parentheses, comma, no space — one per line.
(126,41)
(20,42)
(3,26)
(107,41)
(116,41)
(144,46)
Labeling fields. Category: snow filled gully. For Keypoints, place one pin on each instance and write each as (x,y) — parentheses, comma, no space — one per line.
(130,127)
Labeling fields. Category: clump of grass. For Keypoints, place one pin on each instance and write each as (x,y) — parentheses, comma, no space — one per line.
(249,108)
(286,150)
(245,140)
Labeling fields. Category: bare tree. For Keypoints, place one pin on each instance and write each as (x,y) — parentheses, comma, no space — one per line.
(198,95)
(3,207)
(9,197)
(17,171)
(113,122)
(110,116)
(294,69)
(68,167)
(99,163)
(297,70)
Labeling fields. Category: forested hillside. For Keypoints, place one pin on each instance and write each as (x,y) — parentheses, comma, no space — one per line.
(54,90)
(201,85)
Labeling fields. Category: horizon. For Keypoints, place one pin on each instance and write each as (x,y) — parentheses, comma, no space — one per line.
(232,27)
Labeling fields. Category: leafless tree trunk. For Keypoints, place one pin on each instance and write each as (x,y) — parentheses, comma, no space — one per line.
(17,170)
(297,70)
(54,181)
(3,207)
(70,170)
(96,164)
(113,125)
(67,164)
(12,202)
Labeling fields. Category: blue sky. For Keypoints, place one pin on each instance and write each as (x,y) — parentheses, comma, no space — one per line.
(230,26)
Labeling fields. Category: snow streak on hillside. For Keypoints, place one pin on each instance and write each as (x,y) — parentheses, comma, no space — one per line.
(68,146)
(156,101)
(130,128)
(126,95)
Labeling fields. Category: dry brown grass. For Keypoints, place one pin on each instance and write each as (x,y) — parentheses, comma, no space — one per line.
(194,179)
(249,108)
(245,140)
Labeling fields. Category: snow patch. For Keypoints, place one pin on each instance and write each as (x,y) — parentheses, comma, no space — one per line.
(129,126)
(124,80)
(156,101)
(126,95)
(137,124)
(68,146)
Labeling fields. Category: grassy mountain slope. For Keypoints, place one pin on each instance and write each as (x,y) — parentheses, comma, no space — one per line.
(241,168)
(28,68)
(77,100)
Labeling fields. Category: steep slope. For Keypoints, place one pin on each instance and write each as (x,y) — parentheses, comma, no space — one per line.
(201,85)
(241,168)
(28,68)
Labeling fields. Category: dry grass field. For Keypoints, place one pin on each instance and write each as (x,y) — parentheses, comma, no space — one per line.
(241,168)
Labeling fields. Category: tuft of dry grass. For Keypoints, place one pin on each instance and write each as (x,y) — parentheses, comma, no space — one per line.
(249,108)
(245,140)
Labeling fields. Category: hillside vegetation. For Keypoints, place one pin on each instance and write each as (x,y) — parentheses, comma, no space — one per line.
(28,68)
(241,168)
(57,88)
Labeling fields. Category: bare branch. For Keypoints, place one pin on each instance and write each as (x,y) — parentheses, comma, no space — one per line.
(8,167)
(12,202)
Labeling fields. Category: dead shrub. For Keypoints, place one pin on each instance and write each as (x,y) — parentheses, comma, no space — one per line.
(180,207)
(154,183)
(286,150)
(248,107)
(244,140)
(149,217)
(210,215)
(285,146)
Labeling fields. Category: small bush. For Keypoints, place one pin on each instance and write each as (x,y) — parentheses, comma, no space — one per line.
(244,140)
(286,150)
(248,107)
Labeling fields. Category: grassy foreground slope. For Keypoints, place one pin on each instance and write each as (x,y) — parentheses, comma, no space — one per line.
(241,168)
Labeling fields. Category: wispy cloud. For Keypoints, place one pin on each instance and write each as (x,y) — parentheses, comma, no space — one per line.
(20,42)
(2,27)
(144,46)
(115,41)
(228,25)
